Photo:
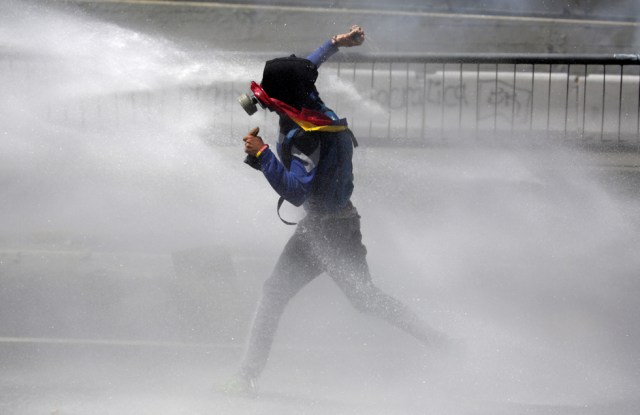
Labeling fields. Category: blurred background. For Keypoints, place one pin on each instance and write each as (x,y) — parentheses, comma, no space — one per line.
(498,192)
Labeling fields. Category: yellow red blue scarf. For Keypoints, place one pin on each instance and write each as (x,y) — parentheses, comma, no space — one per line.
(308,120)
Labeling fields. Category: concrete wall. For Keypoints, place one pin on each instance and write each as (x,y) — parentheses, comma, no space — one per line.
(244,27)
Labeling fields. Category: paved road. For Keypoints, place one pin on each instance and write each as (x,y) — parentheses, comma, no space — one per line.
(157,380)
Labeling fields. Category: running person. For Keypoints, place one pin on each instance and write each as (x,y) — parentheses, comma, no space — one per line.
(313,169)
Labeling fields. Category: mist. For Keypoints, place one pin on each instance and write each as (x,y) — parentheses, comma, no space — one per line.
(134,243)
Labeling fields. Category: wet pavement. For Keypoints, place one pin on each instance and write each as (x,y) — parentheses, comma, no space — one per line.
(48,378)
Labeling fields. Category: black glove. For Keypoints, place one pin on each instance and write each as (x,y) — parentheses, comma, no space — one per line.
(253,162)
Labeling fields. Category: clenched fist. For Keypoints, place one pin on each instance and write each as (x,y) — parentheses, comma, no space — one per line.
(355,37)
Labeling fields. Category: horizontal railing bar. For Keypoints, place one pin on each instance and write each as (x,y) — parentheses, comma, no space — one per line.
(453,58)
(468,58)
(499,58)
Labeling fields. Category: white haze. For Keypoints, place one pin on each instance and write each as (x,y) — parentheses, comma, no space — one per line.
(529,256)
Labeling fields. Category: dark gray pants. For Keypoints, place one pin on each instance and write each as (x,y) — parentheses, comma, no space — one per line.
(332,245)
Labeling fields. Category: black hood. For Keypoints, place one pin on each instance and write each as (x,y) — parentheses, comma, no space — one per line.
(291,80)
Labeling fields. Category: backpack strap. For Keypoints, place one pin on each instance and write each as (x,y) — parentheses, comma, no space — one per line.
(280,202)
(286,160)
(287,142)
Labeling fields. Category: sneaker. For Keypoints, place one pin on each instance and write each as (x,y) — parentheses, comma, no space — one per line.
(240,385)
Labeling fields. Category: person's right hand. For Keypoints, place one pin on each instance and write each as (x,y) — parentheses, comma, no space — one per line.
(355,37)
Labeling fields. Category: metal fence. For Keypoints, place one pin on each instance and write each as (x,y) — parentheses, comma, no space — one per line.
(587,99)
(414,100)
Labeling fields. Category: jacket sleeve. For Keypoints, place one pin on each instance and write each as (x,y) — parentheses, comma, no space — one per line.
(324,52)
(296,183)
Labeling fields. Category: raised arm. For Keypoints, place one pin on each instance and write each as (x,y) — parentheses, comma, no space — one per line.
(355,37)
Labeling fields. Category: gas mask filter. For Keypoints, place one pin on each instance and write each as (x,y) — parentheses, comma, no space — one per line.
(249,103)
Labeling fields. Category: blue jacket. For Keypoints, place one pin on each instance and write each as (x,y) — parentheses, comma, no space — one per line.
(313,169)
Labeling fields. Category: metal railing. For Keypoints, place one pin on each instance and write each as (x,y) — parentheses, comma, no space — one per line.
(586,99)
(591,100)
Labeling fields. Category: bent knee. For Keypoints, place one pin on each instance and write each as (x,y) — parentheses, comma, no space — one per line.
(367,299)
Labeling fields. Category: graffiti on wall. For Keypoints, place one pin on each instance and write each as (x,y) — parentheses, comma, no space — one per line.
(486,99)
